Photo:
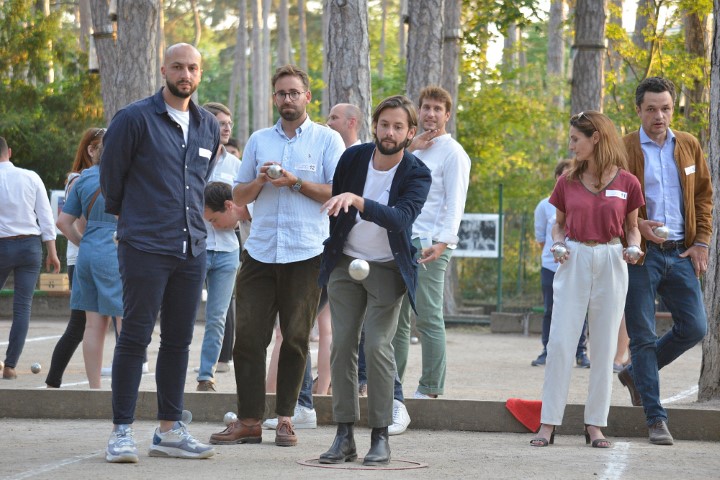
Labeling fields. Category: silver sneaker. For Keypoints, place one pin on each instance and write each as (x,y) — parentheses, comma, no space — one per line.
(121,445)
(178,443)
(303,418)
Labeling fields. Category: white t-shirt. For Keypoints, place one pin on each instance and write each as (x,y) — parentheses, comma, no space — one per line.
(182,118)
(368,240)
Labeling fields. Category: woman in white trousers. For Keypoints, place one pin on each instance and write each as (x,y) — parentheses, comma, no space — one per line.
(597,202)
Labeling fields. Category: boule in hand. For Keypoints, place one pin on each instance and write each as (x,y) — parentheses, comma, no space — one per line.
(662,231)
(633,252)
(274,171)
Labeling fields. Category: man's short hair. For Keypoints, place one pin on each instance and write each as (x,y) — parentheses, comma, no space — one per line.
(216,194)
(437,93)
(561,166)
(3,147)
(654,85)
(293,71)
(216,107)
(233,142)
(397,101)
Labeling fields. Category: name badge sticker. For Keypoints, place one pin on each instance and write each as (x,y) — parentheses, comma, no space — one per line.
(307,167)
(204,152)
(616,193)
(690,170)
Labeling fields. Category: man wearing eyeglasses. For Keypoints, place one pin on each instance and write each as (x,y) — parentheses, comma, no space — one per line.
(673,172)
(223,257)
(281,263)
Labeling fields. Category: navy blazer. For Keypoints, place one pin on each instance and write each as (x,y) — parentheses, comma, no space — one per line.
(408,192)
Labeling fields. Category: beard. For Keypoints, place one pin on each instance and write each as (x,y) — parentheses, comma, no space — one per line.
(390,150)
(291,114)
(179,93)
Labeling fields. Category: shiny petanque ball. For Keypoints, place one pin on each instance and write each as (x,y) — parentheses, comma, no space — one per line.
(115,239)
(359,269)
(2,364)
(662,231)
(559,251)
(186,417)
(633,252)
(274,171)
(229,418)
(35,368)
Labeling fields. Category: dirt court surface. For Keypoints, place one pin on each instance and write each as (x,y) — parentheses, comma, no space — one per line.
(481,366)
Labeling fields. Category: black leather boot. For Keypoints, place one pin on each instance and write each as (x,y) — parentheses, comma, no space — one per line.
(343,447)
(379,453)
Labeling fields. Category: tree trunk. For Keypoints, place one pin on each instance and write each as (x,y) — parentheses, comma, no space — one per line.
(238,96)
(347,48)
(383,31)
(451,55)
(645,18)
(424,49)
(265,57)
(556,54)
(325,105)
(283,49)
(709,384)
(128,64)
(402,28)
(510,52)
(257,79)
(302,24)
(696,93)
(196,23)
(85,23)
(589,50)
(160,40)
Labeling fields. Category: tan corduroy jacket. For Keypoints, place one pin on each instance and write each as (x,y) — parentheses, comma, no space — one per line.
(696,187)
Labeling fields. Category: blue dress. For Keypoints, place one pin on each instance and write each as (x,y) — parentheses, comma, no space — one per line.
(97,286)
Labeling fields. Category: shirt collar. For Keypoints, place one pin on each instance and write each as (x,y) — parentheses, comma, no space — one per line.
(160,107)
(298,131)
(644,138)
(7,164)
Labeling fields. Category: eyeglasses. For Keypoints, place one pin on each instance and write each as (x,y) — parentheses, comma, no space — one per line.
(226,124)
(281,96)
(99,131)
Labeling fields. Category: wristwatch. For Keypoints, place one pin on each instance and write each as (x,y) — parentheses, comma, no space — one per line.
(298,185)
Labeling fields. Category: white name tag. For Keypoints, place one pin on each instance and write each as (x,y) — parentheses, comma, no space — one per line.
(690,170)
(204,152)
(307,167)
(616,193)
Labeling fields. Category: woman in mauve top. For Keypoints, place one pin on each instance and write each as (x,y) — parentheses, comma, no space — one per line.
(597,203)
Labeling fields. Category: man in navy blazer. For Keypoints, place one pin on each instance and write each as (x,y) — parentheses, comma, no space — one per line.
(378,191)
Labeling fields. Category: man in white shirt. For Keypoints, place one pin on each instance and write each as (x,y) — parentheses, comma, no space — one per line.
(281,260)
(26,221)
(223,258)
(439,221)
(343,118)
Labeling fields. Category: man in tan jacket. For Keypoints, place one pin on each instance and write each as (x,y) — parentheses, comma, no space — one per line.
(676,183)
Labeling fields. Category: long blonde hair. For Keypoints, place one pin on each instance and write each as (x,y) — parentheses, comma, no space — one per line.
(609,151)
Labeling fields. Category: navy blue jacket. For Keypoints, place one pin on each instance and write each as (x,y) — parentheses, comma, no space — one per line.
(154,180)
(408,192)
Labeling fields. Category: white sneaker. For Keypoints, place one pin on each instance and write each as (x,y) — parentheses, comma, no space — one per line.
(121,446)
(401,419)
(107,371)
(222,367)
(304,418)
(422,395)
(178,443)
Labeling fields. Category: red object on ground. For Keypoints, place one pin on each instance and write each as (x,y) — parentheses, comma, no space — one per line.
(526,412)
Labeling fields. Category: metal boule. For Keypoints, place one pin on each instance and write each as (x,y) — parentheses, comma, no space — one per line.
(633,252)
(662,231)
(274,171)
(186,417)
(359,269)
(35,367)
(559,251)
(229,418)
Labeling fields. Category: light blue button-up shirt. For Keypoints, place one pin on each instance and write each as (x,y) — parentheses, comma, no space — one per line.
(287,225)
(663,192)
(225,171)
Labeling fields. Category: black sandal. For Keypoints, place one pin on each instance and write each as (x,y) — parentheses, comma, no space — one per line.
(598,442)
(542,441)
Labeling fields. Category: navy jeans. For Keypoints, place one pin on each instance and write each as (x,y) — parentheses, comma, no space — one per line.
(546,280)
(664,273)
(155,283)
(22,257)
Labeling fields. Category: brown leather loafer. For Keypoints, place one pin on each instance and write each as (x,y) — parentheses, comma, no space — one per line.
(285,434)
(659,434)
(627,380)
(246,430)
(206,386)
(9,373)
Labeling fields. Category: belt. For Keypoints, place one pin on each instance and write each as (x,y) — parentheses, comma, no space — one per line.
(17,237)
(669,244)
(593,243)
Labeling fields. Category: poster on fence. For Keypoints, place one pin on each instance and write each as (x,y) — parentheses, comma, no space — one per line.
(479,235)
